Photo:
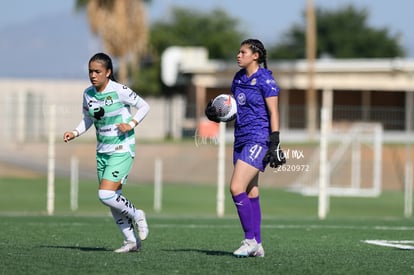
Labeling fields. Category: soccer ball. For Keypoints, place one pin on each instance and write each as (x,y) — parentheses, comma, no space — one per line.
(226,107)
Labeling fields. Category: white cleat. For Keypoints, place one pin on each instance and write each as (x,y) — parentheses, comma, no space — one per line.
(260,251)
(142,225)
(129,247)
(248,248)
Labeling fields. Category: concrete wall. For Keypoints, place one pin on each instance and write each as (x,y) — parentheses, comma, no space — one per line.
(25,111)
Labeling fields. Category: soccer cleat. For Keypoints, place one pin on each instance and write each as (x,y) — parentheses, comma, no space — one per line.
(260,251)
(248,248)
(129,247)
(142,226)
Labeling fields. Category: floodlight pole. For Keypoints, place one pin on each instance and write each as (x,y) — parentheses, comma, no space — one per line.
(408,177)
(311,99)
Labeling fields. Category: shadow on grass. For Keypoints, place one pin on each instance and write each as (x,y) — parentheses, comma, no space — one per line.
(203,251)
(81,248)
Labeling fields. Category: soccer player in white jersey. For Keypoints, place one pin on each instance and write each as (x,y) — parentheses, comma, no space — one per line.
(107,105)
(256,139)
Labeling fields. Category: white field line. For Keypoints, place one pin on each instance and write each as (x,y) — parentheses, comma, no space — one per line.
(287,226)
(395,244)
(267,226)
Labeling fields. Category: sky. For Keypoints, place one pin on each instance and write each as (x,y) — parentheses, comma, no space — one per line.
(266,20)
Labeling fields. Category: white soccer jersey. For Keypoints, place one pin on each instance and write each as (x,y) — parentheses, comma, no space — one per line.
(106,110)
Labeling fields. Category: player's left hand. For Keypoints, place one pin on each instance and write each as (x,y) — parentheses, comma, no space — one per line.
(274,154)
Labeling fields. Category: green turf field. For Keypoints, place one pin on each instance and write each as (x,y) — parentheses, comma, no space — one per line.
(187,238)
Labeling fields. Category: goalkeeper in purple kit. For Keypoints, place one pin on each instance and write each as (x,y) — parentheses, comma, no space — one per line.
(256,142)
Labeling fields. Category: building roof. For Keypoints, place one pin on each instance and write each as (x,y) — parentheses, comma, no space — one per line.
(391,74)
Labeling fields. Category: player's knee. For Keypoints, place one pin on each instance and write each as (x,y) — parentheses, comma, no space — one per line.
(107,196)
(235,190)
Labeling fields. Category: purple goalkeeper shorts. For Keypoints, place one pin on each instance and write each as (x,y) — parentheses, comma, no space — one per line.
(252,154)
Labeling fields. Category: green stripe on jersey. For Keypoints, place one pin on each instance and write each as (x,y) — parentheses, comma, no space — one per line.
(113,139)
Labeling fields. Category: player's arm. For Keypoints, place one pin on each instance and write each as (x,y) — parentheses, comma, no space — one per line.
(142,110)
(140,104)
(82,127)
(274,155)
(272,104)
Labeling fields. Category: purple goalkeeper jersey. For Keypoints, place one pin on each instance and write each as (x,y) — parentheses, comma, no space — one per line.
(252,121)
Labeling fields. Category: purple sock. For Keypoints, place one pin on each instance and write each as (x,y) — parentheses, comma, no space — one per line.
(244,209)
(257,218)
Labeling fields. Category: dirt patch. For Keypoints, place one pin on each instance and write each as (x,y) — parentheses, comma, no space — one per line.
(12,171)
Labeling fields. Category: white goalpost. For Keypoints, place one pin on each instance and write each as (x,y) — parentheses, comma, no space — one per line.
(51,161)
(74,183)
(221,169)
(158,185)
(349,161)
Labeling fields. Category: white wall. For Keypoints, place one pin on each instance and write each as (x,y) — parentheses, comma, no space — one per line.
(24,110)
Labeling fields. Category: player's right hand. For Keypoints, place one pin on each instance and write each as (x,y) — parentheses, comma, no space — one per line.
(274,155)
(68,136)
(211,112)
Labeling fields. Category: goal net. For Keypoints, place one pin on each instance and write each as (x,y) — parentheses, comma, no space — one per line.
(351,165)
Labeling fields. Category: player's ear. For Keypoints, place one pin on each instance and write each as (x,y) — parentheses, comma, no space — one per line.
(256,56)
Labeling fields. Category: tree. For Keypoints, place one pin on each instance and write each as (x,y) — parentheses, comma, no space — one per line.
(122,26)
(214,30)
(342,33)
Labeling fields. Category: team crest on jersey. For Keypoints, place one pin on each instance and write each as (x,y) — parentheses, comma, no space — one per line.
(253,82)
(241,98)
(109,101)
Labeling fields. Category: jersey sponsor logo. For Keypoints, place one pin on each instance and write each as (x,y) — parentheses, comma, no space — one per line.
(98,113)
(105,130)
(241,99)
(95,110)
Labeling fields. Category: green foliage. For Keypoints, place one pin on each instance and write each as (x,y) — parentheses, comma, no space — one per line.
(214,30)
(147,80)
(342,33)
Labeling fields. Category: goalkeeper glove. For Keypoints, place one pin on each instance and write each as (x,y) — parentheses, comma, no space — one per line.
(275,156)
(211,112)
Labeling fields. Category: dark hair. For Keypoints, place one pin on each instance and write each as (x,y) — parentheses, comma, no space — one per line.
(106,61)
(257,47)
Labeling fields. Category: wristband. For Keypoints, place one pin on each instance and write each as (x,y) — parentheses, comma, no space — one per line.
(132,124)
(75,133)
